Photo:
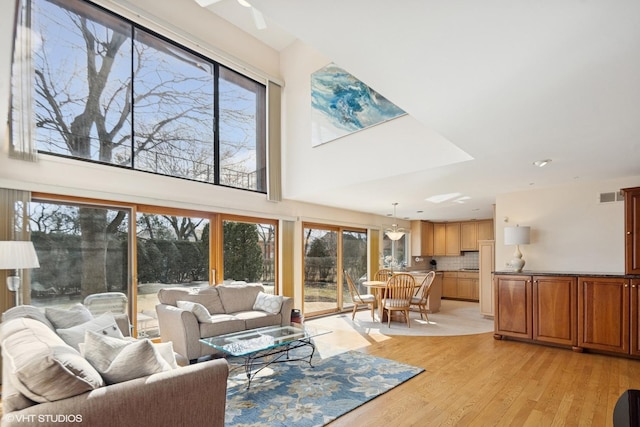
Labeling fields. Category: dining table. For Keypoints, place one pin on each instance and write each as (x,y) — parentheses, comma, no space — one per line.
(376,288)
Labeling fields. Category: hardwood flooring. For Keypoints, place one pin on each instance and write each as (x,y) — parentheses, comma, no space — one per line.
(475,380)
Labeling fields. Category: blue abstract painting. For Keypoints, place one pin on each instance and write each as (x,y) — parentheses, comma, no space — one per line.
(342,104)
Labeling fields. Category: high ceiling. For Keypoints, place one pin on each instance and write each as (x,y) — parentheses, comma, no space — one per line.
(507,82)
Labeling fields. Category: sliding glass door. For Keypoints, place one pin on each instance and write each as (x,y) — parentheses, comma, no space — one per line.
(327,251)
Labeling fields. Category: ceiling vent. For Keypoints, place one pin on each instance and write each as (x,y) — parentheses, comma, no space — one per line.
(610,197)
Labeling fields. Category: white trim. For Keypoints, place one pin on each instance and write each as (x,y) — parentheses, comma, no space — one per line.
(143,17)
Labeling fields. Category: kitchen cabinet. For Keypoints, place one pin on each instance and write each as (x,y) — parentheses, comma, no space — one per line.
(469,236)
(452,238)
(433,302)
(439,239)
(538,308)
(632,230)
(449,284)
(473,231)
(608,314)
(422,238)
(486,262)
(460,285)
(467,286)
(485,230)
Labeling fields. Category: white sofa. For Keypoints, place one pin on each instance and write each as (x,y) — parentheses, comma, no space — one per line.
(47,382)
(230,308)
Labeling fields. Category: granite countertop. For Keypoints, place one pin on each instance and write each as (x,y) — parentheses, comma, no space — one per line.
(567,273)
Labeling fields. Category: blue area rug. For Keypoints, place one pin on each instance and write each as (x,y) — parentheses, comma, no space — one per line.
(295,394)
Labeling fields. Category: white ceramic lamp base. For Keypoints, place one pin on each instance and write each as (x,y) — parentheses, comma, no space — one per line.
(517,263)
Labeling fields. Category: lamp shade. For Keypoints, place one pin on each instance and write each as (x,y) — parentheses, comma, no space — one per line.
(15,255)
(517,235)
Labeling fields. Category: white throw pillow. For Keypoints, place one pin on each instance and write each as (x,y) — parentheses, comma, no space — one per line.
(269,303)
(104,324)
(121,360)
(41,366)
(199,310)
(63,318)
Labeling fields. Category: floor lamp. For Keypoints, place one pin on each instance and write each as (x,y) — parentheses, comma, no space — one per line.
(16,255)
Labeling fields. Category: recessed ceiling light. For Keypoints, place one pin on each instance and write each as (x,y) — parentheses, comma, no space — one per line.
(542,163)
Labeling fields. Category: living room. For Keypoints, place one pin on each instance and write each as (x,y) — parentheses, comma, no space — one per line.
(571,231)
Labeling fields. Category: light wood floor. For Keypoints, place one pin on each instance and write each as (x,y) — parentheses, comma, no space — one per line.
(478,381)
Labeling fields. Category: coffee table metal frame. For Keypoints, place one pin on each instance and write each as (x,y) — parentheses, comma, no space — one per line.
(262,347)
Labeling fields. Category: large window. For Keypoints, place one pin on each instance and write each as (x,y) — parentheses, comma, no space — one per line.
(109,91)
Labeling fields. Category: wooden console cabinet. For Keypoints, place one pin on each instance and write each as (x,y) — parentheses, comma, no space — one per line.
(608,315)
(599,313)
(538,308)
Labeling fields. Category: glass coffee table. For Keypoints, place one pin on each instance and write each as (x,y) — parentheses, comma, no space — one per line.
(262,347)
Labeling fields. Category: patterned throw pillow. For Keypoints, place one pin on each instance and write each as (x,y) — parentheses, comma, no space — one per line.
(121,360)
(199,310)
(269,303)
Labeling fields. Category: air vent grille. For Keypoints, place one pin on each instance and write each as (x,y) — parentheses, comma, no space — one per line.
(612,196)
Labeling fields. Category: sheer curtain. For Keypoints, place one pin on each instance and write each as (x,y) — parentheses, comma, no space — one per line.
(22,143)
(14,225)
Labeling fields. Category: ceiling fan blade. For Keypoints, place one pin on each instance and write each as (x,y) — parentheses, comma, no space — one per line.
(205,3)
(258,19)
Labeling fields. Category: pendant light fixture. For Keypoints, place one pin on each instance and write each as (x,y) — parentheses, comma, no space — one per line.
(394,233)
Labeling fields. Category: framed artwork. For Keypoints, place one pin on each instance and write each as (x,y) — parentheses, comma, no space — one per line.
(341,104)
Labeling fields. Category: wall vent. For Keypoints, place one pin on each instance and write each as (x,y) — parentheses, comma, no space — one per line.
(612,196)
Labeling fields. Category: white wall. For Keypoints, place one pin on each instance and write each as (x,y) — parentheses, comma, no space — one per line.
(570,229)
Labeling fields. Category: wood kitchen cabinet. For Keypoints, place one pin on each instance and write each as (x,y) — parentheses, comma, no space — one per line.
(468,286)
(473,231)
(539,308)
(422,238)
(605,321)
(449,284)
(469,236)
(439,239)
(460,285)
(452,238)
(632,230)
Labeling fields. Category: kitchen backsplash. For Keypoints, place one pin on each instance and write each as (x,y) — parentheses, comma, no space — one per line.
(467,260)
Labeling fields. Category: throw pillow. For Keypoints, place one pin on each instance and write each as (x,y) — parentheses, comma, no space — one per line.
(63,318)
(41,366)
(120,360)
(27,311)
(269,303)
(104,324)
(199,310)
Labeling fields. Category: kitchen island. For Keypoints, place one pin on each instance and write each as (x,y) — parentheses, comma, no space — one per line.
(433,303)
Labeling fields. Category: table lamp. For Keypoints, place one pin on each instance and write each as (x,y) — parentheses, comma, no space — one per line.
(16,255)
(517,236)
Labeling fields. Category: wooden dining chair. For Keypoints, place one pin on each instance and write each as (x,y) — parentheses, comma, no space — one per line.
(421,297)
(359,299)
(383,275)
(398,294)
